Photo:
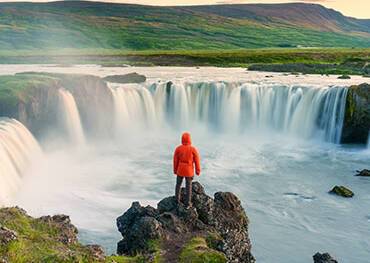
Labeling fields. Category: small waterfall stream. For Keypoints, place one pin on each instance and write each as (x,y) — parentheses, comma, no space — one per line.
(17,147)
(71,117)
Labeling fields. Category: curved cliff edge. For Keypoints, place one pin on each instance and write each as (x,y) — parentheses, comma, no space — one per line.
(215,230)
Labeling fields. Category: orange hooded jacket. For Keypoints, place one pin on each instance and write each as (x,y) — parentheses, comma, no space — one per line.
(185,157)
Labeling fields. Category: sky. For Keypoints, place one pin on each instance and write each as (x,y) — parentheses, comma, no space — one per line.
(354,8)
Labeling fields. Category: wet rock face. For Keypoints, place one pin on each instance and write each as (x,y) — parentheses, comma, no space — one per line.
(221,216)
(323,258)
(357,115)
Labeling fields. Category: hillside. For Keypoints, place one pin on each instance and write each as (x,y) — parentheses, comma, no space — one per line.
(82,25)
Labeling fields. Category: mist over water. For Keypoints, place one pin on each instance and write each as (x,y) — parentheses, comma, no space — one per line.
(272,144)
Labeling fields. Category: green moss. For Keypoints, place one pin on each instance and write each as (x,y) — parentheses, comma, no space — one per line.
(16,88)
(37,241)
(125,259)
(197,251)
(213,240)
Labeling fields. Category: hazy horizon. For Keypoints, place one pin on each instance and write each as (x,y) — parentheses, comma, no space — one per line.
(357,8)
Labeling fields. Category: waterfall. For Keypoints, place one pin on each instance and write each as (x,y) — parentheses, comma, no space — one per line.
(17,147)
(70,117)
(134,107)
(303,111)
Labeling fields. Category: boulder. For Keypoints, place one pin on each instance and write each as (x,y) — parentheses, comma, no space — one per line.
(7,235)
(127,78)
(97,252)
(171,223)
(323,258)
(67,233)
(356,124)
(344,77)
(364,172)
(342,191)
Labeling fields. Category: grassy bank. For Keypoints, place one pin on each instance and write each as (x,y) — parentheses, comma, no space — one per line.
(320,61)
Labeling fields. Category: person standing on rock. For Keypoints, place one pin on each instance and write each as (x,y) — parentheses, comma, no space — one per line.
(185,158)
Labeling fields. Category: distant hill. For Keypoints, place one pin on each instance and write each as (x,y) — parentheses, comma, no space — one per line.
(76,24)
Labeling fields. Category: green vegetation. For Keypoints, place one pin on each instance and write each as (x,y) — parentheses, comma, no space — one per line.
(38,241)
(12,89)
(228,58)
(197,251)
(88,25)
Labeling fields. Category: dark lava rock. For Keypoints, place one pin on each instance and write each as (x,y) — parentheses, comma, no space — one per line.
(127,78)
(67,233)
(344,77)
(323,258)
(342,191)
(221,216)
(7,235)
(356,124)
(364,172)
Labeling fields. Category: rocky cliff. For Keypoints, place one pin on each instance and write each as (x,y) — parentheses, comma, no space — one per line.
(33,98)
(217,226)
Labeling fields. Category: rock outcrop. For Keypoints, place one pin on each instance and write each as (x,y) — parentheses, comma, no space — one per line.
(221,221)
(7,235)
(364,172)
(323,258)
(45,239)
(342,191)
(127,78)
(357,115)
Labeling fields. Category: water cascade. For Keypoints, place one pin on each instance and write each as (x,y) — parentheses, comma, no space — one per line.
(17,147)
(235,107)
(134,107)
(71,117)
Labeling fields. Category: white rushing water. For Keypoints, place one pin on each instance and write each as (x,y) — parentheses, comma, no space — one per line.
(271,141)
(17,148)
(305,112)
(71,117)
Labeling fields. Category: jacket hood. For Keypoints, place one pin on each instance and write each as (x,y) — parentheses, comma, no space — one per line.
(186,139)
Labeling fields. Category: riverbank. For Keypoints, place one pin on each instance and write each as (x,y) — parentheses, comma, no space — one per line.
(321,61)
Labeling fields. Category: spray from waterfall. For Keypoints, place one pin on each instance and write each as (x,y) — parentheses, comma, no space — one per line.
(17,150)
(70,117)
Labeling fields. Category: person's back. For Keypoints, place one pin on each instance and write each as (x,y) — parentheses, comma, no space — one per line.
(185,158)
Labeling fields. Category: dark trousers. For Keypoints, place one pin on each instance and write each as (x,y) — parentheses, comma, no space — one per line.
(188,189)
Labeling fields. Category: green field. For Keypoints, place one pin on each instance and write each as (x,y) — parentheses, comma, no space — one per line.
(91,25)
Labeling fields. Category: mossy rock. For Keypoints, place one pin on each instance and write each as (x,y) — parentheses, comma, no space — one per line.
(342,191)
(39,240)
(197,251)
(356,124)
(344,77)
